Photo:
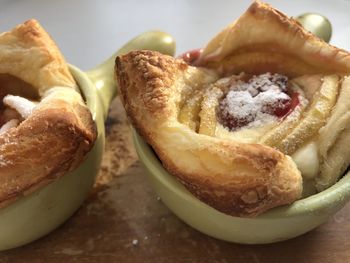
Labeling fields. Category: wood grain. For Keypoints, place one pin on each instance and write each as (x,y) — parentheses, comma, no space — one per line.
(124,221)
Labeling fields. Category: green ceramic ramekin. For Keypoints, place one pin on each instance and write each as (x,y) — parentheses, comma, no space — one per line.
(37,214)
(278,224)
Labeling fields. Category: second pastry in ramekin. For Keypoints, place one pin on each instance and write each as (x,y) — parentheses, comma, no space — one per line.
(257,121)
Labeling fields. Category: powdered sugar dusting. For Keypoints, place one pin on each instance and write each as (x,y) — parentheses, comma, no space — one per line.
(241,104)
(259,101)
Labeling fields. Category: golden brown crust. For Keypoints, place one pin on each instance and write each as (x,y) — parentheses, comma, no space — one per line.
(235,178)
(28,46)
(55,138)
(265,30)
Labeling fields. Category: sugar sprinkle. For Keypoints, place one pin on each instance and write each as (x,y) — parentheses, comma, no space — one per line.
(252,103)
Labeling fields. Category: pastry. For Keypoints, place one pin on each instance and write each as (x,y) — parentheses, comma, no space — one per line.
(258,120)
(45,127)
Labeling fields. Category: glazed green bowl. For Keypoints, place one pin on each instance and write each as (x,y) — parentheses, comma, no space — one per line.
(278,224)
(37,214)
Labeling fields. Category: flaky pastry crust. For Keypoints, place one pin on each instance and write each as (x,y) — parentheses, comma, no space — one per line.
(55,138)
(240,179)
(264,30)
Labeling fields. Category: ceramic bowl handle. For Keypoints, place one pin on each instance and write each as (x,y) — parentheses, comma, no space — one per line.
(102,76)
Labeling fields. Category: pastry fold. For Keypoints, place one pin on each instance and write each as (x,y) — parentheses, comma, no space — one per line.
(264,39)
(58,133)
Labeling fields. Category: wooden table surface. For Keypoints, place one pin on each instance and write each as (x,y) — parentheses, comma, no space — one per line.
(124,221)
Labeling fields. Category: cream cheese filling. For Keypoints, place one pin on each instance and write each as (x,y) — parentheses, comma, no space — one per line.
(22,106)
(307,160)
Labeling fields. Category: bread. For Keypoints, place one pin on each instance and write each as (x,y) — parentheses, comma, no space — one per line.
(53,129)
(245,170)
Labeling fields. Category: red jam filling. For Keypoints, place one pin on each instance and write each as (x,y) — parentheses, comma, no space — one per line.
(256,102)
(191,56)
(282,112)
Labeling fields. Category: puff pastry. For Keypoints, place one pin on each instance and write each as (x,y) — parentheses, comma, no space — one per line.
(46,129)
(192,114)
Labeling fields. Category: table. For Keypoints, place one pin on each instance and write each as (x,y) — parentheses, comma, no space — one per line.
(123,221)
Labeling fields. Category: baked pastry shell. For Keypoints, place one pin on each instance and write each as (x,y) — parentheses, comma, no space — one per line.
(50,206)
(150,86)
(277,224)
